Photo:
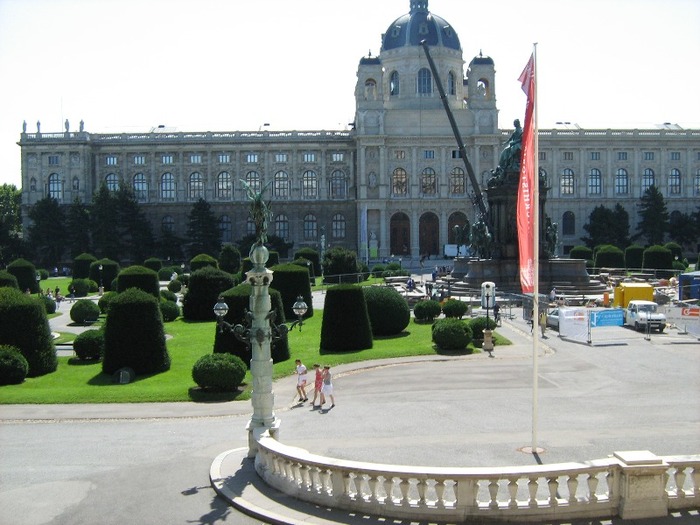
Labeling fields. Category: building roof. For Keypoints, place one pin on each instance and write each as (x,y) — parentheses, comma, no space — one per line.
(418,25)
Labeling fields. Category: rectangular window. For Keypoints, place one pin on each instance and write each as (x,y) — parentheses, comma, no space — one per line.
(595,155)
(111,160)
(648,155)
(166,159)
(429,154)
(280,157)
(309,157)
(338,157)
(251,158)
(195,158)
(224,158)
(675,155)
(456,154)
(400,154)
(53,160)
(568,155)
(139,160)
(543,155)
(621,155)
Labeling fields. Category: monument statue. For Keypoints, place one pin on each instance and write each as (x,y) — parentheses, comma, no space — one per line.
(481,240)
(509,161)
(260,212)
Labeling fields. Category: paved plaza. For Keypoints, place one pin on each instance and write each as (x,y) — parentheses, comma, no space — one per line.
(150,463)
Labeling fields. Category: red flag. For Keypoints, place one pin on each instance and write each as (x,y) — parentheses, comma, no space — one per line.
(526,207)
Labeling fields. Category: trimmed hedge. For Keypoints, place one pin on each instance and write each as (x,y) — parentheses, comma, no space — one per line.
(291,281)
(104,302)
(175,286)
(169,310)
(82,287)
(206,285)
(24,325)
(202,261)
(139,277)
(168,296)
(478,325)
(25,273)
(426,310)
(339,265)
(49,304)
(153,263)
(310,255)
(89,346)
(8,280)
(634,256)
(609,256)
(84,311)
(13,366)
(229,258)
(81,265)
(658,258)
(134,335)
(108,274)
(451,334)
(220,372)
(388,310)
(455,308)
(345,326)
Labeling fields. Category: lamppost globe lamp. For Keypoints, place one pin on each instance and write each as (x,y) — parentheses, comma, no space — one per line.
(220,309)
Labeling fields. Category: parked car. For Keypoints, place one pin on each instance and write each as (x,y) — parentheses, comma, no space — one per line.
(640,313)
(553,318)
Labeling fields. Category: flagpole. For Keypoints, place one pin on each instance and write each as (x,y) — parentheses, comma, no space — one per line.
(536,261)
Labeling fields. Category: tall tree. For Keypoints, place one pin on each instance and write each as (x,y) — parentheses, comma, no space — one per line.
(10,223)
(104,224)
(134,229)
(47,233)
(203,230)
(78,228)
(685,228)
(606,226)
(654,223)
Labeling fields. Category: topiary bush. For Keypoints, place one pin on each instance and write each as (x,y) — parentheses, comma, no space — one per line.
(609,256)
(134,335)
(82,287)
(89,346)
(454,308)
(166,273)
(206,285)
(84,311)
(658,258)
(43,273)
(202,261)
(139,277)
(229,258)
(581,252)
(339,265)
(8,280)
(378,270)
(175,286)
(25,273)
(426,310)
(170,310)
(13,366)
(81,265)
(478,325)
(634,256)
(345,326)
(104,302)
(168,296)
(24,325)
(106,276)
(153,263)
(222,372)
(49,304)
(291,281)
(388,310)
(676,250)
(310,255)
(451,334)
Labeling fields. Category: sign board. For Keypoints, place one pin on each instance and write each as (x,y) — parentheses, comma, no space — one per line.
(607,318)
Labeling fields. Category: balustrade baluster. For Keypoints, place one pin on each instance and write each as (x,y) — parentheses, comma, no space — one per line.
(532,489)
(493,494)
(388,485)
(373,484)
(403,486)
(572,484)
(592,486)
(440,492)
(331,484)
(696,482)
(553,484)
(305,480)
(422,487)
(679,479)
(513,492)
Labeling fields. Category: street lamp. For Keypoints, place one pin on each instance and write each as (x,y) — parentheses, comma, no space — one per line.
(243,333)
(101,287)
(38,278)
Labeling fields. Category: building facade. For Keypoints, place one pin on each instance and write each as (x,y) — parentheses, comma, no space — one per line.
(395,185)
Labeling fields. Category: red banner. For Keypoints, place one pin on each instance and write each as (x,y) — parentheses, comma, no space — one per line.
(526,207)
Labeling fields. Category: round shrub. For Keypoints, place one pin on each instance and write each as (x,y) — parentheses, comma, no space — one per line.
(166,273)
(49,304)
(25,273)
(168,296)
(106,276)
(451,334)
(43,273)
(81,265)
(134,335)
(82,287)
(478,325)
(581,252)
(426,310)
(203,292)
(609,256)
(345,326)
(184,279)
(388,310)
(676,249)
(105,301)
(634,255)
(153,263)
(170,310)
(139,277)
(222,372)
(378,270)
(175,286)
(89,345)
(8,280)
(24,325)
(202,261)
(454,308)
(310,255)
(13,366)
(84,311)
(229,258)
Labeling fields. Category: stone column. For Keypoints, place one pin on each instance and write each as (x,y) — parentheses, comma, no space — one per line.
(642,485)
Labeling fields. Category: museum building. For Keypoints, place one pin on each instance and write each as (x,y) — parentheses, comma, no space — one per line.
(393,185)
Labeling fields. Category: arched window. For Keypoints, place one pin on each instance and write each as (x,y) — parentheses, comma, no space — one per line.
(280,185)
(225,229)
(282,226)
(595,182)
(647,179)
(399,182)
(196,186)
(224,188)
(338,226)
(32,184)
(428,182)
(338,185)
(457,182)
(567,182)
(621,182)
(482,88)
(55,187)
(167,225)
(451,84)
(140,187)
(310,227)
(252,178)
(568,223)
(425,82)
(394,84)
(112,182)
(674,182)
(167,187)
(309,185)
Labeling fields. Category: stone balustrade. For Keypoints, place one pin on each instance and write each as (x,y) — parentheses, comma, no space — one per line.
(628,484)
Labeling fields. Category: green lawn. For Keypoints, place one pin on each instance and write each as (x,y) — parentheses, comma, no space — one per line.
(75,382)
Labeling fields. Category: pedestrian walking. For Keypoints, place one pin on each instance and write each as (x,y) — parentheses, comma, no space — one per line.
(301,381)
(318,385)
(543,322)
(327,387)
(497,314)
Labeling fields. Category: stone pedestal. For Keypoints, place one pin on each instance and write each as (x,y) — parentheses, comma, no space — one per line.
(488,341)
(642,487)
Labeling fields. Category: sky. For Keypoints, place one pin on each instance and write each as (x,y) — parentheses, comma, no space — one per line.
(226,65)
